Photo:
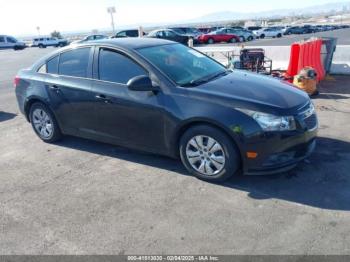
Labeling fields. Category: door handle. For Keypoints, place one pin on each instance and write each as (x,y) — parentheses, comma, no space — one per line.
(103,98)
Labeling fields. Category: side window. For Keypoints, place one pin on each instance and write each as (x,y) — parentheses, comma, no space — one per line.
(115,67)
(52,65)
(11,40)
(42,69)
(123,33)
(133,33)
(74,62)
(169,34)
(2,39)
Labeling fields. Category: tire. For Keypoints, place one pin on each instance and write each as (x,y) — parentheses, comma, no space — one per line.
(262,36)
(232,40)
(224,151)
(250,38)
(210,41)
(41,46)
(241,39)
(51,132)
(279,35)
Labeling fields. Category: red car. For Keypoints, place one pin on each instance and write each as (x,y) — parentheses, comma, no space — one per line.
(217,37)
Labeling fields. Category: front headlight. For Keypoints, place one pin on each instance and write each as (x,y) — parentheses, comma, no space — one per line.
(269,122)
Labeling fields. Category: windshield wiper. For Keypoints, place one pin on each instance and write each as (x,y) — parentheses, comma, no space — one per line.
(206,79)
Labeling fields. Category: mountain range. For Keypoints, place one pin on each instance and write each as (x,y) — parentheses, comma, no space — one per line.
(311,10)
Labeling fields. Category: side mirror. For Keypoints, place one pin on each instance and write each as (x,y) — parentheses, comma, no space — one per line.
(141,83)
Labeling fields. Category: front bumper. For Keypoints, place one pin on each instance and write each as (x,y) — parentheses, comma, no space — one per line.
(284,161)
(280,151)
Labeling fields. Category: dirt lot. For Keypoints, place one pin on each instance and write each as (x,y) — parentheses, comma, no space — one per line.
(83,197)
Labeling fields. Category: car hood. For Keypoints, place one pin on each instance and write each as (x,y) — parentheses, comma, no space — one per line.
(255,92)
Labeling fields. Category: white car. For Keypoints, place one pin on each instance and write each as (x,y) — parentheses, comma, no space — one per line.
(268,32)
(7,41)
(43,42)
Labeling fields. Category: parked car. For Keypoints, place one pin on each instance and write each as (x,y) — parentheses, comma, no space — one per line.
(268,32)
(169,34)
(254,28)
(188,31)
(282,28)
(310,29)
(244,35)
(43,42)
(90,38)
(165,98)
(298,30)
(127,33)
(9,42)
(217,37)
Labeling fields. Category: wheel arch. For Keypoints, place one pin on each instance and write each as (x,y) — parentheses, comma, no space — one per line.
(200,121)
(32,101)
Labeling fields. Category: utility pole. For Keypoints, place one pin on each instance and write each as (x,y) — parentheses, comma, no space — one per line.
(111,11)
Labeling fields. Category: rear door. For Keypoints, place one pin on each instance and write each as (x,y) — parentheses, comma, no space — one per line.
(10,42)
(3,43)
(68,84)
(132,118)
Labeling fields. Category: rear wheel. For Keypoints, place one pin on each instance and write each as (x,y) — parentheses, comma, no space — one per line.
(279,35)
(241,39)
(210,41)
(41,46)
(232,40)
(250,38)
(209,154)
(262,36)
(44,123)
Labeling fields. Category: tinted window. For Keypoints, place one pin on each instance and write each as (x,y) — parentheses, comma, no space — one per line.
(132,33)
(11,40)
(2,39)
(52,65)
(74,63)
(169,34)
(118,68)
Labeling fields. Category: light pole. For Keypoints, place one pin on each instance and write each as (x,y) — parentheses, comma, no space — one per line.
(38,29)
(111,11)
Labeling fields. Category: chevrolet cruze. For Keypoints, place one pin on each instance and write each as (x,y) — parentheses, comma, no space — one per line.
(165,98)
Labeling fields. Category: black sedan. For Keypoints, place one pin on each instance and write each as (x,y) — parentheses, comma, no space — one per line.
(165,98)
(169,34)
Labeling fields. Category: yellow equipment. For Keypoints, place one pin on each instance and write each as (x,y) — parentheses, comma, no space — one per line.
(306,80)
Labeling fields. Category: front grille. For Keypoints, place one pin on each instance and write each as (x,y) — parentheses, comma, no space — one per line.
(311,122)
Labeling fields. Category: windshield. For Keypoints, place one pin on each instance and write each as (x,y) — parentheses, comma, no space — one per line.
(185,66)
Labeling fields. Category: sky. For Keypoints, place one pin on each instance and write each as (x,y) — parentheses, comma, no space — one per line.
(22,17)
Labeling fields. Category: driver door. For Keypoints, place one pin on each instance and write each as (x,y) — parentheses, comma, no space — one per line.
(125,117)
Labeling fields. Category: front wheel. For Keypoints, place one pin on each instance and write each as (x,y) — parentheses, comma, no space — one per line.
(44,123)
(262,36)
(209,154)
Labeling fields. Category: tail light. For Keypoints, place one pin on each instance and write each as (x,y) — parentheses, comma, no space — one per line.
(16,81)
